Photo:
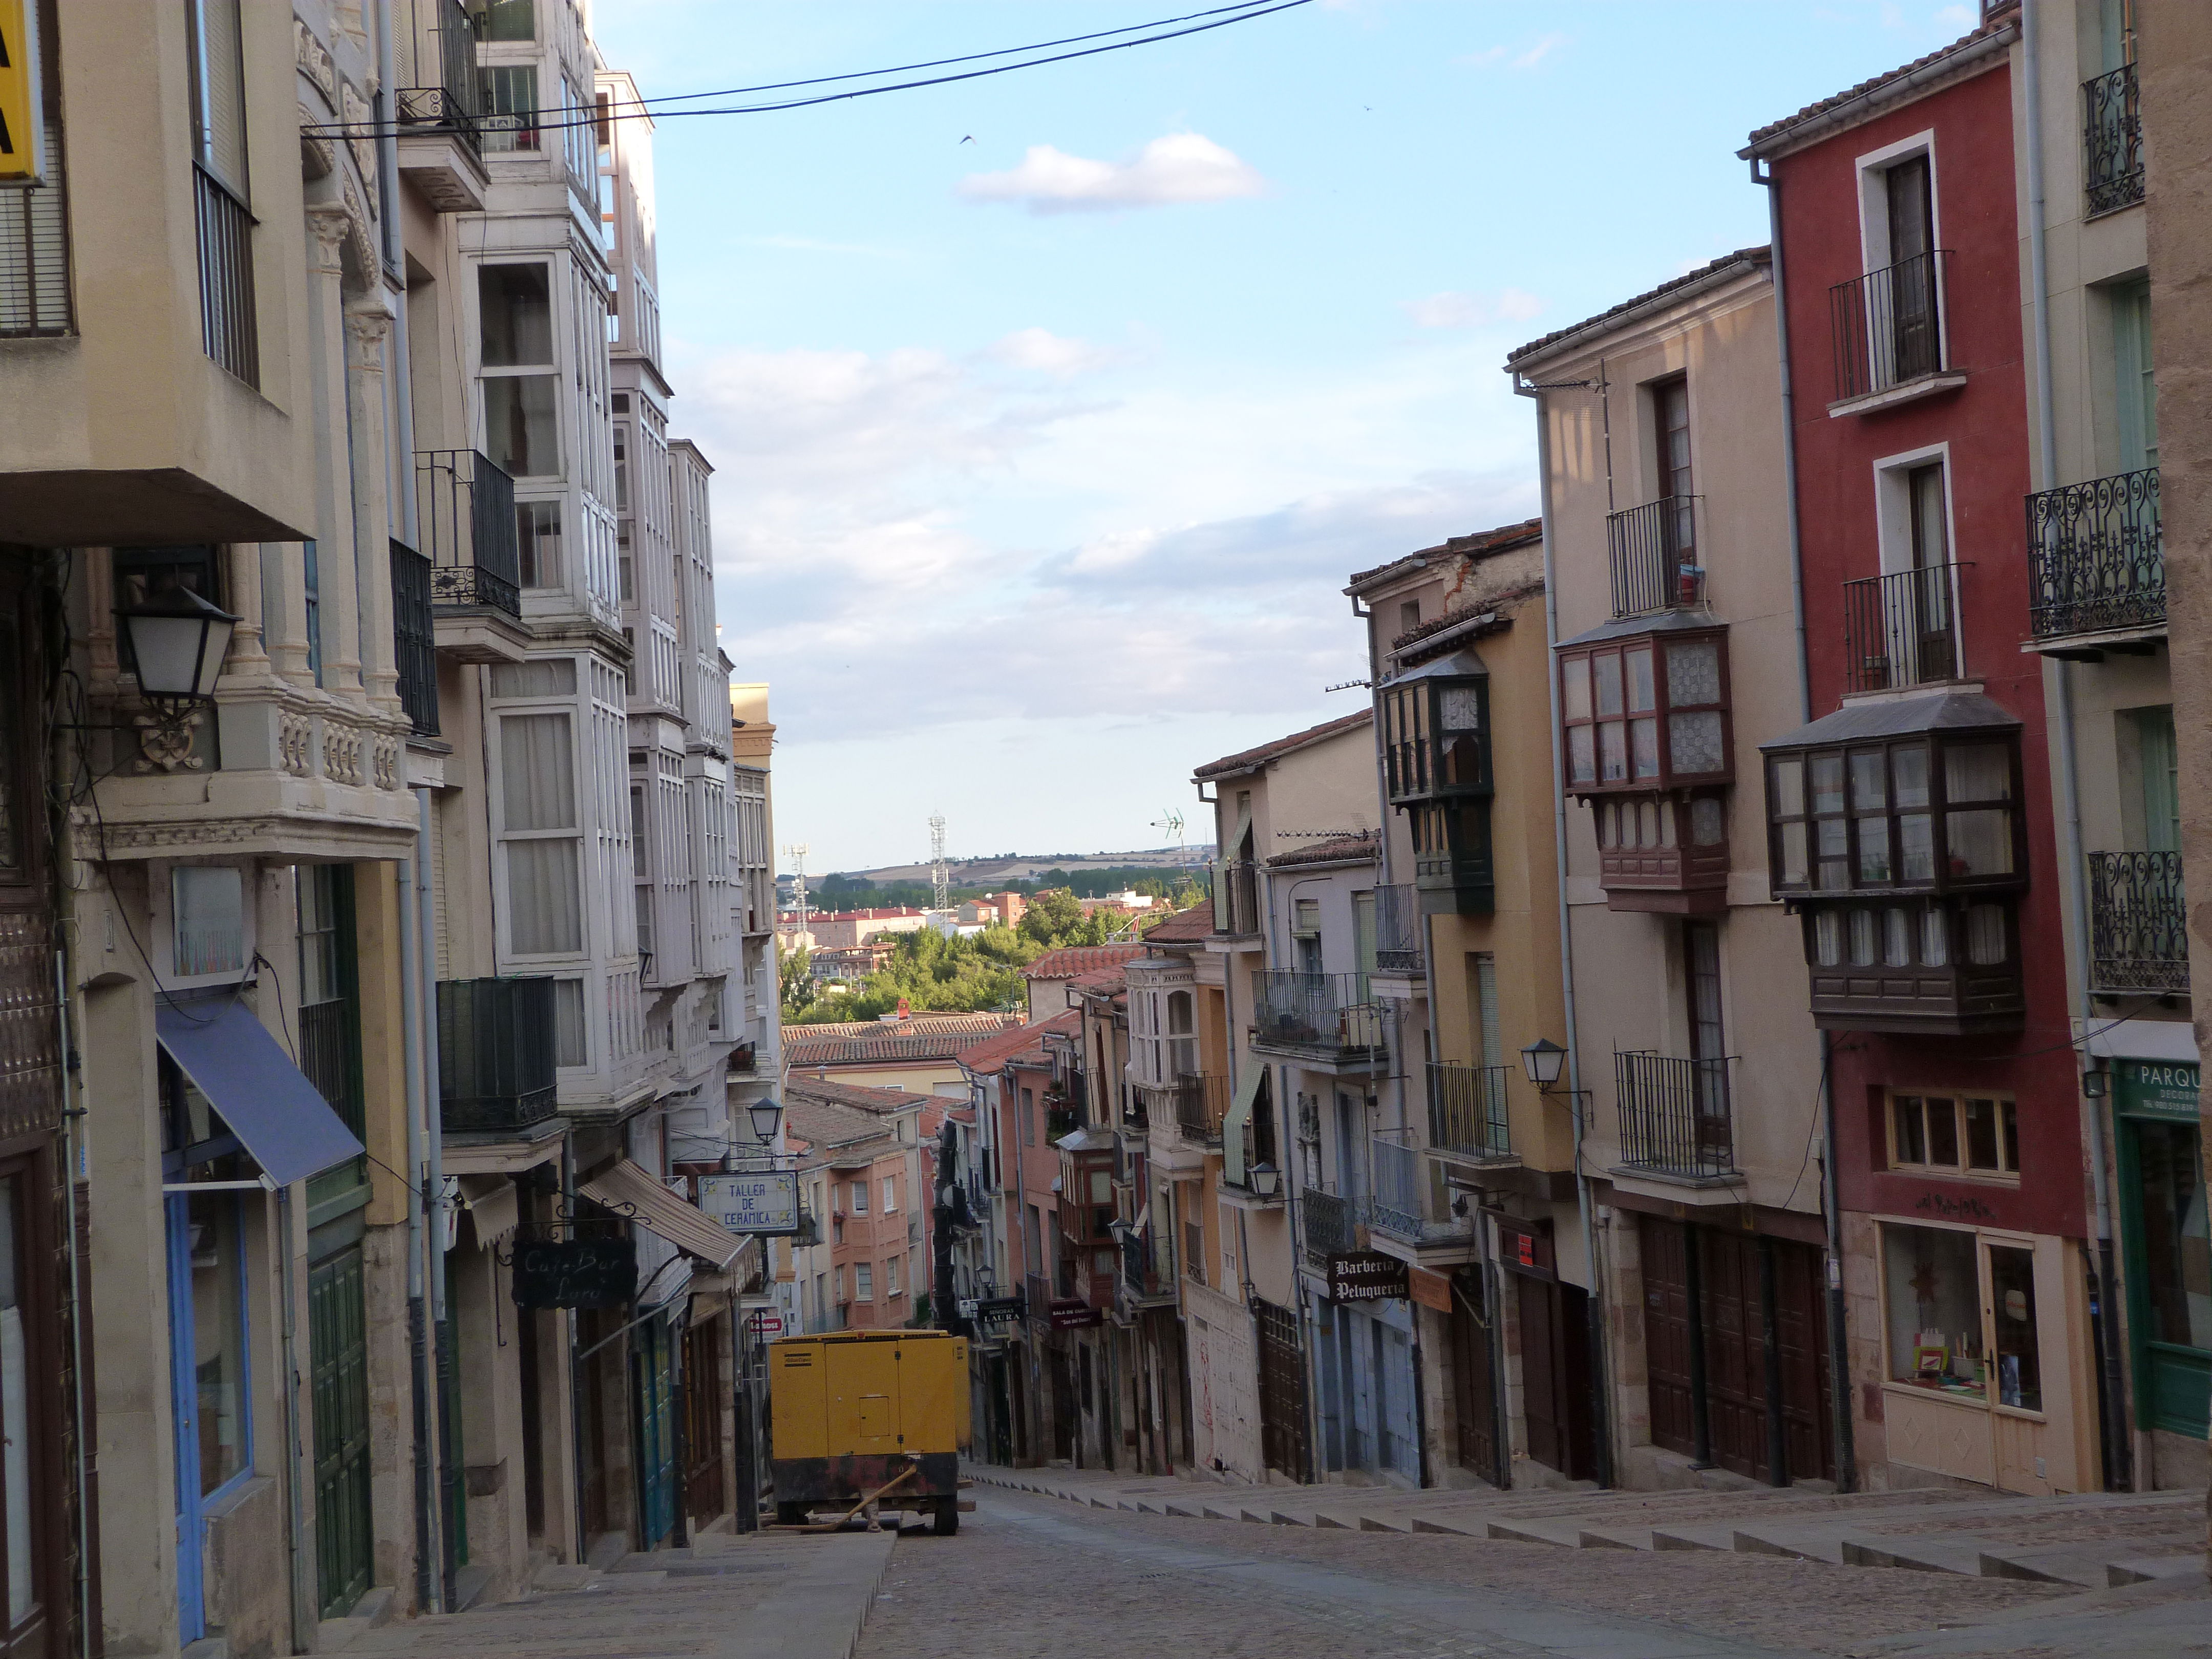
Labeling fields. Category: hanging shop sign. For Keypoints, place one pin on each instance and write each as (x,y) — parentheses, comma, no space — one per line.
(1073,1315)
(1429,1290)
(22,118)
(2156,1088)
(1366,1276)
(755,1202)
(997,1310)
(575,1273)
(1525,1247)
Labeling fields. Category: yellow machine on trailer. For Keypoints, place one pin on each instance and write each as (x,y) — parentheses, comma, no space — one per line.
(863,1413)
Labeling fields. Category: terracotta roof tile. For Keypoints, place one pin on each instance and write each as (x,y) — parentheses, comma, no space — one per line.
(1073,961)
(993,1055)
(1184,926)
(1337,849)
(936,1036)
(2005,17)
(1703,274)
(857,1096)
(1252,759)
(1474,546)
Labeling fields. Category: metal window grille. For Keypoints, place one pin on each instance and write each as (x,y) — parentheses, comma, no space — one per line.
(2113,169)
(35,253)
(228,329)
(2096,557)
(2138,924)
(415,637)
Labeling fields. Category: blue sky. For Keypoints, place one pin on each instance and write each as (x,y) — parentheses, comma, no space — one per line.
(1043,459)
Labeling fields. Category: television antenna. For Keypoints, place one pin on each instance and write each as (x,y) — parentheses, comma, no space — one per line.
(796,852)
(940,873)
(1170,821)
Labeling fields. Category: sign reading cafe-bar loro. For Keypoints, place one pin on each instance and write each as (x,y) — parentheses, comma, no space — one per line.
(755,1202)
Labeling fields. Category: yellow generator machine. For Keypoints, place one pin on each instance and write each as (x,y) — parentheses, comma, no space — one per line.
(858,1413)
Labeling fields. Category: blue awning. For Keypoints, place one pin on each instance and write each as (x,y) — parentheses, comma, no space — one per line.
(265,1099)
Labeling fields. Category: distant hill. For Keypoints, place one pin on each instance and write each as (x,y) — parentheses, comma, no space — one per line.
(982,873)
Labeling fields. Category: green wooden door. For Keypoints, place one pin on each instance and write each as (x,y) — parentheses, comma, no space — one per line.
(337,1332)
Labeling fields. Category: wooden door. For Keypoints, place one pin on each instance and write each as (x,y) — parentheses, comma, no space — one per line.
(1669,1334)
(1541,1380)
(1475,1394)
(1731,1301)
(705,1396)
(337,1349)
(1282,1393)
(1800,1341)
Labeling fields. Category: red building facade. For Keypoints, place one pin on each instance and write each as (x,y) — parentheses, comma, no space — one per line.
(1911,821)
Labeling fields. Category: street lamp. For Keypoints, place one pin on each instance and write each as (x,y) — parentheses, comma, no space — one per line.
(1541,1060)
(766,1113)
(178,642)
(1265,1178)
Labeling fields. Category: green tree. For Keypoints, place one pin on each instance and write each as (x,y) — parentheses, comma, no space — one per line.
(794,982)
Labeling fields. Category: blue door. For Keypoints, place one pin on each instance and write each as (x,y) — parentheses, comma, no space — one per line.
(209,1399)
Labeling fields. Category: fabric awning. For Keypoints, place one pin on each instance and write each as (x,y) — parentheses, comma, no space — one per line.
(266,1100)
(625,1188)
(491,1202)
(1239,1120)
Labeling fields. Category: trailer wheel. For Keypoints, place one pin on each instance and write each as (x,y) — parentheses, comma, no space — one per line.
(947,1520)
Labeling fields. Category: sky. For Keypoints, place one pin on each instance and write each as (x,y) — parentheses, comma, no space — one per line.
(1051,411)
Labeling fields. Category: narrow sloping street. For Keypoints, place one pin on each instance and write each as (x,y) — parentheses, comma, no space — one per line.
(1029,1575)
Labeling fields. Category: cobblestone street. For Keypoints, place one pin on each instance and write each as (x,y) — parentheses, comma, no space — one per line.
(1033,1575)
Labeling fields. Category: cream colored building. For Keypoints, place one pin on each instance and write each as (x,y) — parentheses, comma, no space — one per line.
(1676,657)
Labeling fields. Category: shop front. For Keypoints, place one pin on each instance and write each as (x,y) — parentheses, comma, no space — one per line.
(2167,1258)
(1984,1379)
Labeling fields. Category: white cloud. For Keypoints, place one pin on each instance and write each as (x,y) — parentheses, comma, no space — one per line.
(1455,309)
(1182,166)
(1042,352)
(1519,58)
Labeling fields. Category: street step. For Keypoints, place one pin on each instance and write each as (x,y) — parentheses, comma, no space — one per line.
(1927,1552)
(1681,1537)
(2151,1569)
(1565,1534)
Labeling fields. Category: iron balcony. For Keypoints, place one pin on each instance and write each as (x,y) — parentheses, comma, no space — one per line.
(2096,557)
(2138,925)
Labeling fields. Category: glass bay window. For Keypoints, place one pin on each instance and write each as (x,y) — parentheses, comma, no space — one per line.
(1436,747)
(1904,854)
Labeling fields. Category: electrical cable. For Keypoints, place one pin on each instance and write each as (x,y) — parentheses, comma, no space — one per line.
(592,118)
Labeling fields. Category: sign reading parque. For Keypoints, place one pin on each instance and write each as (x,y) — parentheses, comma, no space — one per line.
(1367,1276)
(753,1201)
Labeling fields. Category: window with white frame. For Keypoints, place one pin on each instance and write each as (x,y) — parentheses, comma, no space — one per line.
(860,1197)
(540,828)
(863,1282)
(519,370)
(891,1194)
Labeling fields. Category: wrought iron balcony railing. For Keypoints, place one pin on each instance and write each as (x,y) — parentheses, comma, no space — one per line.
(1467,1110)
(2112,171)
(1144,1277)
(1036,1295)
(1236,897)
(465,522)
(1332,1012)
(1653,552)
(1329,1223)
(1410,1201)
(413,637)
(1902,629)
(2096,557)
(2138,924)
(1201,1101)
(1675,1117)
(496,1054)
(1888,326)
(229,326)
(452,106)
(1401,933)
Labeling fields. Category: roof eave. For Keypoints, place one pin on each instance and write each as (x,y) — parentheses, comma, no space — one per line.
(1583,335)
(1914,83)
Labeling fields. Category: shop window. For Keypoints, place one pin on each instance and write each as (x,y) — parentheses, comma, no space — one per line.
(1966,1134)
(1962,1317)
(2177,1244)
(1934,1287)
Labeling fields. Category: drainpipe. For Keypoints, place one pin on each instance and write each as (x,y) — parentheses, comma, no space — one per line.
(72,1092)
(1839,1359)
(1601,1397)
(425,962)
(395,260)
(2111,1386)
(426,1537)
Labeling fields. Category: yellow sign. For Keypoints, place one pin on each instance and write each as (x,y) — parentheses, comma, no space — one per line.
(22,128)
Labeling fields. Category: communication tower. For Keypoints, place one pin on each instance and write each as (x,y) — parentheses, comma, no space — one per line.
(796,852)
(940,873)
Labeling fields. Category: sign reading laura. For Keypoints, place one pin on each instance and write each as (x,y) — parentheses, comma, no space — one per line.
(1366,1276)
(753,1201)
(575,1273)
(997,1310)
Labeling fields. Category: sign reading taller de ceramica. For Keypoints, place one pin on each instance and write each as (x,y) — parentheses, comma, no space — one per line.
(754,1201)
(1366,1276)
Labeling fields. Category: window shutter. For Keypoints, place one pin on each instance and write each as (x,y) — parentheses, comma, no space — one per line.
(222,93)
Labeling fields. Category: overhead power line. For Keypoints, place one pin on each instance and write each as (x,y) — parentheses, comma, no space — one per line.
(527,120)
